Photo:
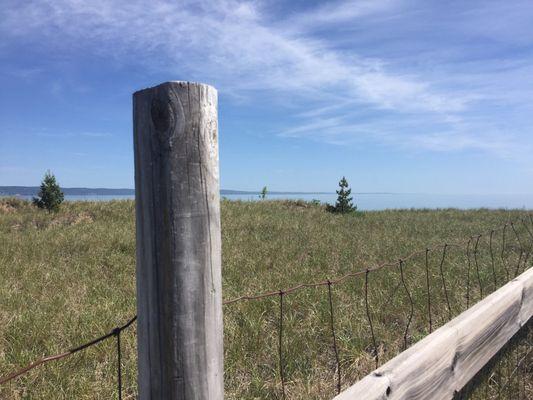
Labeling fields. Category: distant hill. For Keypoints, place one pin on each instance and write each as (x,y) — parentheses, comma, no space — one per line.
(33,190)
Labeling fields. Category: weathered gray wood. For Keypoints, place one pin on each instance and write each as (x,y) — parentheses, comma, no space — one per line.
(179,298)
(445,361)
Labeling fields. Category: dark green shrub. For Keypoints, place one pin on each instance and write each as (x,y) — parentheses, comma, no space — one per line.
(344,202)
(50,195)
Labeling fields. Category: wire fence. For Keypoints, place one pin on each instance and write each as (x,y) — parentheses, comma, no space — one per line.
(436,298)
(114,333)
(480,279)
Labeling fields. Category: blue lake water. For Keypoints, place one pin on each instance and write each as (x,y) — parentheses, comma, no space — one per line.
(385,201)
(371,201)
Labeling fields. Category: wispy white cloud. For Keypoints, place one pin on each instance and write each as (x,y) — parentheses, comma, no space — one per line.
(232,44)
(26,74)
(243,49)
(336,12)
(64,135)
(95,134)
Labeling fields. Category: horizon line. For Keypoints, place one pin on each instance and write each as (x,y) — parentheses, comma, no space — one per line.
(254,192)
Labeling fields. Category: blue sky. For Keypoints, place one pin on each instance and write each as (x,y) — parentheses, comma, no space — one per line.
(401,96)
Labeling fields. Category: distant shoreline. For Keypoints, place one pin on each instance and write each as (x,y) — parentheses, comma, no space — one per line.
(80,191)
(364,201)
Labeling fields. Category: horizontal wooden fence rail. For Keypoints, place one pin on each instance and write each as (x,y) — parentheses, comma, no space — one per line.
(441,364)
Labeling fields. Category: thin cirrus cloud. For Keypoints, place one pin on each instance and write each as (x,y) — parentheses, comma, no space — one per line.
(95,135)
(373,87)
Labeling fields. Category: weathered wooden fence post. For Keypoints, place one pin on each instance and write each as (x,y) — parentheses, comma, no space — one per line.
(179,298)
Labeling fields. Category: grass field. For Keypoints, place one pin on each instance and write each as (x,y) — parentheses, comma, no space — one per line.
(69,277)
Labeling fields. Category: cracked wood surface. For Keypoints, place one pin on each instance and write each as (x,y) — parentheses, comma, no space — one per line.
(179,298)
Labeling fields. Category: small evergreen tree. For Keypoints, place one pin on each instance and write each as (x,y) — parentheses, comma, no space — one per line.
(344,201)
(263,194)
(50,195)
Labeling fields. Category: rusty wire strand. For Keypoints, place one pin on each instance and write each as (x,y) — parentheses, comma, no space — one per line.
(280,344)
(507,363)
(530,247)
(411,313)
(517,357)
(519,240)
(477,267)
(524,222)
(517,269)
(66,353)
(428,293)
(335,349)
(502,255)
(492,260)
(444,281)
(499,379)
(376,353)
(526,259)
(119,366)
(468,274)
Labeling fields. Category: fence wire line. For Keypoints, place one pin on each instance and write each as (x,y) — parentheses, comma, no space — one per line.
(281,293)
(411,304)
(428,293)
(367,308)
(280,344)
(444,281)
(115,332)
(335,349)
(468,273)
(370,269)
(472,243)
(477,266)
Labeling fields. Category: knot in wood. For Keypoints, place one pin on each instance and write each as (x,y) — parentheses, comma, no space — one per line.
(162,115)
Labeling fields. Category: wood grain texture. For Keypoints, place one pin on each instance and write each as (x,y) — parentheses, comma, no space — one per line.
(445,361)
(179,286)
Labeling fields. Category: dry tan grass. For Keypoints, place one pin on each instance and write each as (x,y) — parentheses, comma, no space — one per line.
(69,277)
